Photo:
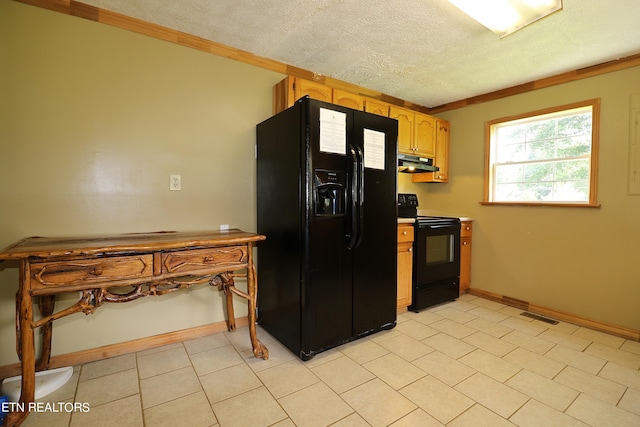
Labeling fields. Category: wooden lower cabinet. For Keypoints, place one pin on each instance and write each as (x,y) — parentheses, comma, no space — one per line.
(465,256)
(405,264)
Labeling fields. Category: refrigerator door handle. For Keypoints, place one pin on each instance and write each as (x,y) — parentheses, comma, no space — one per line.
(352,232)
(360,157)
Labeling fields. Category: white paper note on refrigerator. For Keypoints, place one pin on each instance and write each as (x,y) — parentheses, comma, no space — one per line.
(333,131)
(373,149)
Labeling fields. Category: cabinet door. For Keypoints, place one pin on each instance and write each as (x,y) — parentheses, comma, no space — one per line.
(424,135)
(283,94)
(405,233)
(442,151)
(405,268)
(314,90)
(376,107)
(465,255)
(405,129)
(465,263)
(441,158)
(346,99)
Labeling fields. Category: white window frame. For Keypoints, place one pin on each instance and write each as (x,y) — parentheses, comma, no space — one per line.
(491,164)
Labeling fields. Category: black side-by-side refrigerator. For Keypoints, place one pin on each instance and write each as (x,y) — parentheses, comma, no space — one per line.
(326,201)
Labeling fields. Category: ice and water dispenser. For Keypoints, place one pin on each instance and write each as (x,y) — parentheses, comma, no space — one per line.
(329,192)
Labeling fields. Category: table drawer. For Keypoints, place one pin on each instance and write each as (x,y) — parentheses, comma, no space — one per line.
(405,233)
(223,258)
(60,273)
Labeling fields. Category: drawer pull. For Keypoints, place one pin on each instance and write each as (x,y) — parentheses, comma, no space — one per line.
(404,232)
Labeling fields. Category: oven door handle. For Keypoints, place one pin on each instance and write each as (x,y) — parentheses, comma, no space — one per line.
(438,227)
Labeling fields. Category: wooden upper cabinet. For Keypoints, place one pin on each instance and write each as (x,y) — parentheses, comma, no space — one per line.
(419,134)
(374,106)
(288,91)
(424,135)
(313,89)
(405,129)
(441,158)
(416,132)
(347,99)
(442,151)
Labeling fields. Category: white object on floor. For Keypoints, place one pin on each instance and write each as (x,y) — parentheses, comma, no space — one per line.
(46,382)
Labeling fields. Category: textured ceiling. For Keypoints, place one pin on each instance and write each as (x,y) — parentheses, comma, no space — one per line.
(423,51)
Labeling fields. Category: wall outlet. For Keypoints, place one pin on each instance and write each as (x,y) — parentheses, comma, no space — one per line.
(175,182)
(224,227)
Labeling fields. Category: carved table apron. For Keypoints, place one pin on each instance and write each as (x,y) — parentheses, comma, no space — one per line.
(147,263)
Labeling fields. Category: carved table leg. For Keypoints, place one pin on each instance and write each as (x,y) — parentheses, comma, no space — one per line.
(259,350)
(27,348)
(18,340)
(46,305)
(227,280)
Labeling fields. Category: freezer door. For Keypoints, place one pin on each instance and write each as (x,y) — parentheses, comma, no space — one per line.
(375,258)
(327,292)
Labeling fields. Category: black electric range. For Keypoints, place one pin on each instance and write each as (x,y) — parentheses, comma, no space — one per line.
(436,255)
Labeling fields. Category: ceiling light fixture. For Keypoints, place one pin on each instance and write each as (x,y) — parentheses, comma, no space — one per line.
(503,17)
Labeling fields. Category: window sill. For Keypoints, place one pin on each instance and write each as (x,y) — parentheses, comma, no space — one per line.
(555,205)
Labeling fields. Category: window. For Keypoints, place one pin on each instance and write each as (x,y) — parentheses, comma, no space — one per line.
(547,157)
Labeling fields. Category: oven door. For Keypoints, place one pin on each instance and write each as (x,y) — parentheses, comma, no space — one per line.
(436,253)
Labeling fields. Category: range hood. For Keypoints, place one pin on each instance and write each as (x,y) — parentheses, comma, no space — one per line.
(415,164)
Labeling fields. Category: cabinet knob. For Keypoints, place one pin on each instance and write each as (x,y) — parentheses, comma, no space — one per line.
(467,228)
(404,232)
(465,243)
(410,249)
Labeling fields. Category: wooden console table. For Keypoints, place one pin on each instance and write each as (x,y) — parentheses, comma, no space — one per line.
(100,266)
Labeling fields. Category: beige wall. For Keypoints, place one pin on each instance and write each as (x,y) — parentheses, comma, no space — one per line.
(93,120)
(579,260)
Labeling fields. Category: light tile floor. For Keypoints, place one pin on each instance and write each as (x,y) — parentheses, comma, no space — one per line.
(472,362)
